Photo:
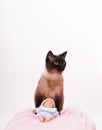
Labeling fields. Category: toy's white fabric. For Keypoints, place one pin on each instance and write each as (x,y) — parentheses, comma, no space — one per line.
(70,119)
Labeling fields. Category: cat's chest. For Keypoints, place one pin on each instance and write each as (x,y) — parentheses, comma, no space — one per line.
(51,85)
(52,92)
(53,88)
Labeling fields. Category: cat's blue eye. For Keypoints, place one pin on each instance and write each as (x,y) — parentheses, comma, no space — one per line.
(64,63)
(56,63)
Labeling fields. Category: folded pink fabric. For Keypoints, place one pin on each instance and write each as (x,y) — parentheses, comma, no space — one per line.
(70,119)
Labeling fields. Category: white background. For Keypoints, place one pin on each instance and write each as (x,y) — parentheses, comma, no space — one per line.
(28,30)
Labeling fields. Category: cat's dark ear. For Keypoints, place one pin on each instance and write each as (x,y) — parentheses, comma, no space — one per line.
(50,56)
(49,53)
(63,54)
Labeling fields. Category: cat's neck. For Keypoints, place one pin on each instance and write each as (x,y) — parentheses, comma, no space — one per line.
(52,76)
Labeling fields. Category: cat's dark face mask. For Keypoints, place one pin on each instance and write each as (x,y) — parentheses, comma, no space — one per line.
(55,63)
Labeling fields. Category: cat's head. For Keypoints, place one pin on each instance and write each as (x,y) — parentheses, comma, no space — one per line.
(55,63)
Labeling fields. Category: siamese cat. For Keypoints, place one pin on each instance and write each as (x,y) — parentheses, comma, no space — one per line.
(50,84)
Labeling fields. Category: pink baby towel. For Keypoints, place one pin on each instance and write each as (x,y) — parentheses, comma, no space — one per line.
(70,119)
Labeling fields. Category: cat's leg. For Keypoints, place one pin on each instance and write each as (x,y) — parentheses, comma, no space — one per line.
(59,100)
(38,98)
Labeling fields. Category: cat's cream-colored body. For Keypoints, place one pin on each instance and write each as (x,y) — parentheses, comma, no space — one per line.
(50,85)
